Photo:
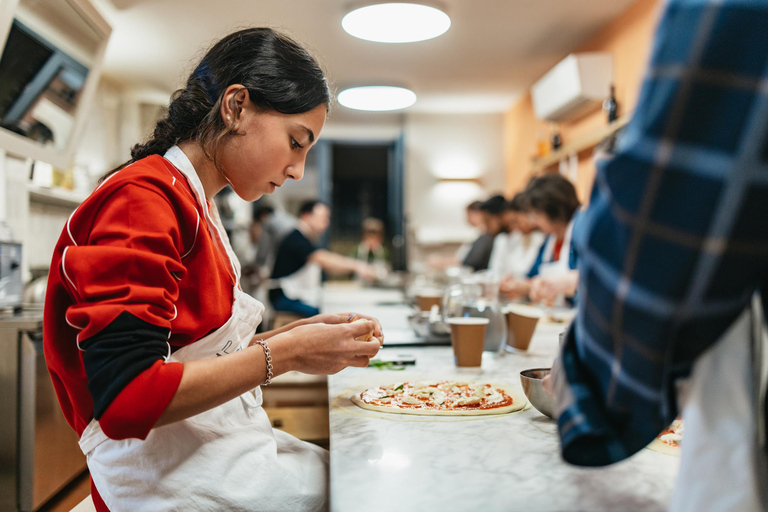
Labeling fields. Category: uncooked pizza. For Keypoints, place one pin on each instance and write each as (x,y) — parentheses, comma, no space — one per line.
(441,398)
(670,441)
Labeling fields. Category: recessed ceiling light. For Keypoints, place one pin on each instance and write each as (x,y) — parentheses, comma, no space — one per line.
(377,97)
(396,22)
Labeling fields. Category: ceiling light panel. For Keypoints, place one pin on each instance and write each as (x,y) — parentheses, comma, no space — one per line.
(377,98)
(396,22)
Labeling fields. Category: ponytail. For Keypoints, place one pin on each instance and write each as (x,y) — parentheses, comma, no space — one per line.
(278,73)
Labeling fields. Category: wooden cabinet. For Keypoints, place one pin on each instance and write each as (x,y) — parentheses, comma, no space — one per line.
(298,404)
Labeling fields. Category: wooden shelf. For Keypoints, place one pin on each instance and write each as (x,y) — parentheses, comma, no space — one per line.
(578,145)
(55,197)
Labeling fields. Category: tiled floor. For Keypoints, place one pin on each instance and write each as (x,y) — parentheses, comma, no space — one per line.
(70,496)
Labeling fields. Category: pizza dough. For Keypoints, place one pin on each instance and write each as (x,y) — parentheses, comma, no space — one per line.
(420,396)
(364,337)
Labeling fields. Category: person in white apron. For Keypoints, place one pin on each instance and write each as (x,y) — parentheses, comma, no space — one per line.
(517,246)
(552,205)
(299,264)
(186,430)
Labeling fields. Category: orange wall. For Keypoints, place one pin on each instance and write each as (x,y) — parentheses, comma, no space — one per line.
(628,38)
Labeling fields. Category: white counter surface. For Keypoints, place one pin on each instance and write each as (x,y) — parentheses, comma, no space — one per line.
(382,462)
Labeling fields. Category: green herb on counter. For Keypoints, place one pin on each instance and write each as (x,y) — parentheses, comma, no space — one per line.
(384,365)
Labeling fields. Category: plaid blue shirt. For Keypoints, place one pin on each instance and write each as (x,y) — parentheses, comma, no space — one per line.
(675,239)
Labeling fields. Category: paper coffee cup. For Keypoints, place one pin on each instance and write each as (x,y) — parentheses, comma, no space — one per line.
(468,340)
(425,301)
(521,322)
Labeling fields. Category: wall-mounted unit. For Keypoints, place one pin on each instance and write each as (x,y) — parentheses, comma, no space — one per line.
(52,52)
(573,87)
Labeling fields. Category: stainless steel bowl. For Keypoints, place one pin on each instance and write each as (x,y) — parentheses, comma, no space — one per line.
(426,327)
(531,381)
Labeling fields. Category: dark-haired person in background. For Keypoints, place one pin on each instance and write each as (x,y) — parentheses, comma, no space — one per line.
(299,263)
(480,253)
(518,244)
(552,205)
(148,336)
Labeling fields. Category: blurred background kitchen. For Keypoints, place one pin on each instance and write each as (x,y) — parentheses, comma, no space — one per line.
(506,91)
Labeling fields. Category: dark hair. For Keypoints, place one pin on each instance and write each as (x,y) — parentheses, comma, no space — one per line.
(494,205)
(276,71)
(553,195)
(309,206)
(475,206)
(517,203)
(261,211)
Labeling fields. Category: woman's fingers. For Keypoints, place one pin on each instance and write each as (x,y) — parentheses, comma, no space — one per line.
(360,361)
(377,331)
(367,348)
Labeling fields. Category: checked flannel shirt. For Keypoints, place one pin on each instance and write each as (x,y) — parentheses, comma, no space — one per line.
(675,239)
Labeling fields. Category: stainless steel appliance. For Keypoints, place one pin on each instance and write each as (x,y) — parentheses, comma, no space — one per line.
(39,453)
(11,284)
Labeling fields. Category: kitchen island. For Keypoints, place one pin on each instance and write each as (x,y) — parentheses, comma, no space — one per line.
(384,462)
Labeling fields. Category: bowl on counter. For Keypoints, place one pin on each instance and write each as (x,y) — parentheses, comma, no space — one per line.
(534,390)
(427,325)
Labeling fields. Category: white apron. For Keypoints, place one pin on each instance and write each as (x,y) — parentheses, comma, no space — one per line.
(562,265)
(305,284)
(722,467)
(228,458)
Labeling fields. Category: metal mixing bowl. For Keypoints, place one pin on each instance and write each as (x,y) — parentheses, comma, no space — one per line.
(531,381)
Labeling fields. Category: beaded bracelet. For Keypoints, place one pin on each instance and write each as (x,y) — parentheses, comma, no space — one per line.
(268,355)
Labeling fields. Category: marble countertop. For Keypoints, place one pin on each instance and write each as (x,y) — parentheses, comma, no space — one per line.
(502,463)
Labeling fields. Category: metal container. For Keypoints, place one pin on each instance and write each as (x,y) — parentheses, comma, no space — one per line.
(532,386)
(39,449)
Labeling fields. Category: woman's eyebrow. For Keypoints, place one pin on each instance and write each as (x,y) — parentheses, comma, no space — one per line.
(310,133)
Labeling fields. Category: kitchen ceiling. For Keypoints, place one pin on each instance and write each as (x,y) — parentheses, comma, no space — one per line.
(493,51)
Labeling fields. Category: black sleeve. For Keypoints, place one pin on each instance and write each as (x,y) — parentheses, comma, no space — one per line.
(293,253)
(480,253)
(116,355)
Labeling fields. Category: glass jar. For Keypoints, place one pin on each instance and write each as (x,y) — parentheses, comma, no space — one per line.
(478,296)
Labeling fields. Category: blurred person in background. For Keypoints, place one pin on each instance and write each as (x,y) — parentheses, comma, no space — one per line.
(299,263)
(552,206)
(518,244)
(479,254)
(474,217)
(371,247)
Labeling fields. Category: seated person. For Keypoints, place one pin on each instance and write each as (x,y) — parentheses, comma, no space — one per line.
(518,244)
(371,248)
(480,253)
(297,273)
(552,205)
(474,219)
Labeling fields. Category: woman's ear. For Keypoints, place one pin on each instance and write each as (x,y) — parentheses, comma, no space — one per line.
(232,105)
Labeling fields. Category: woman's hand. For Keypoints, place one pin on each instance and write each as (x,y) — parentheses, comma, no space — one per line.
(344,318)
(547,289)
(512,288)
(325,349)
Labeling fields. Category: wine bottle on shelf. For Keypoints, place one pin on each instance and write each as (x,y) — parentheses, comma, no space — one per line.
(555,137)
(610,106)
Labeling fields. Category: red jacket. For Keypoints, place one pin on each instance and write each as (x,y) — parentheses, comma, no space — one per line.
(140,247)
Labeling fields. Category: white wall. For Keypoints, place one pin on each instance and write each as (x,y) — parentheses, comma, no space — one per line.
(450,146)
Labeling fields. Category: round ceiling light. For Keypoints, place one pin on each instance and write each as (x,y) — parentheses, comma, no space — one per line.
(377,97)
(396,22)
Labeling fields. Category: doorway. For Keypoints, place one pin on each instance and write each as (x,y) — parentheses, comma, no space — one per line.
(362,180)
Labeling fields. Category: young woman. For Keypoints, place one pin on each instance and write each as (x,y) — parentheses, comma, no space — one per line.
(552,205)
(148,337)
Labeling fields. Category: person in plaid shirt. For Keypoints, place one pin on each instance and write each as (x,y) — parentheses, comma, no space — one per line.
(673,247)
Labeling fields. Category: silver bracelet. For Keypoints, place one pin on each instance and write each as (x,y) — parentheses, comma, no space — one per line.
(268,355)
